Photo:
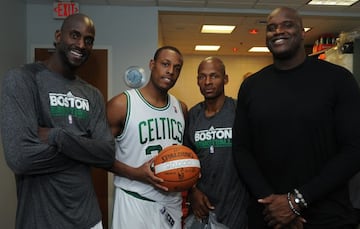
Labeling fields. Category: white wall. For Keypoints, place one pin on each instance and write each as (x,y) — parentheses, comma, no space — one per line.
(130,33)
(13,53)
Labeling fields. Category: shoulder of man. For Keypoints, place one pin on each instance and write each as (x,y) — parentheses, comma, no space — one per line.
(197,107)
(26,72)
(232,100)
(33,68)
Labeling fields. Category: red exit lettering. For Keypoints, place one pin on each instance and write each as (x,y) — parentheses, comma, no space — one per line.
(64,9)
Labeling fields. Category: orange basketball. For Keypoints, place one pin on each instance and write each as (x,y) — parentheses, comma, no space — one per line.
(179,166)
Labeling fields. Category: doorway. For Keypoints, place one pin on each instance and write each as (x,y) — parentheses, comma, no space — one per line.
(95,72)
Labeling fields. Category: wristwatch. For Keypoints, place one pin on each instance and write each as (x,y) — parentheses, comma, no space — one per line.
(299,199)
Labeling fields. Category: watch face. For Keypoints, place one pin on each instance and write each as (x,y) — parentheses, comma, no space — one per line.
(135,77)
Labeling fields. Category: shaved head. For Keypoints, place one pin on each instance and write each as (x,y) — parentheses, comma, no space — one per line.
(76,18)
(292,13)
(214,60)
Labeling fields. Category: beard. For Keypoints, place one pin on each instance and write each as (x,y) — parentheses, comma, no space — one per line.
(287,53)
(66,56)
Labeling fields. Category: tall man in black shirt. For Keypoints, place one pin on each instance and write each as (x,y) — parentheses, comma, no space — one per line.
(296,135)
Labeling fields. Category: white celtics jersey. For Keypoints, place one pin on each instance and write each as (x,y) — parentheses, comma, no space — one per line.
(147,131)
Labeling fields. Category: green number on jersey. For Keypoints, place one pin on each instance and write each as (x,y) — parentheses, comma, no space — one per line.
(152,149)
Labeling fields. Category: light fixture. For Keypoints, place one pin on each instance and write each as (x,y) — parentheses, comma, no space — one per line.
(333,2)
(224,29)
(258,49)
(207,47)
(253,31)
(307,29)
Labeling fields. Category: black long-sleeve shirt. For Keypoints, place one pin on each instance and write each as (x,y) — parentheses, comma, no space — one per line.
(54,184)
(300,128)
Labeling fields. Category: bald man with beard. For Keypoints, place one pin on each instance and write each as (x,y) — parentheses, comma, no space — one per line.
(54,128)
(296,136)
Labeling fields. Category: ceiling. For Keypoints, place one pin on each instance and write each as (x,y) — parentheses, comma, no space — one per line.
(180,21)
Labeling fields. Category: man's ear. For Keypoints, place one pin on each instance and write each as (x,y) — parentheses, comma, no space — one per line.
(226,79)
(151,64)
(57,36)
(303,34)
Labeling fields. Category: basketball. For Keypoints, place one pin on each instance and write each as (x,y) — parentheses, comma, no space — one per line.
(178,166)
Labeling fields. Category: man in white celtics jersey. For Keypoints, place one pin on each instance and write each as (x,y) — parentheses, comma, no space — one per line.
(144,121)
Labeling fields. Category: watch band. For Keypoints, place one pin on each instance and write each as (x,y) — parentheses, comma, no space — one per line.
(299,199)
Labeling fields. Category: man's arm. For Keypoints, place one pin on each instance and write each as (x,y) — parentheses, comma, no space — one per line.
(96,146)
(342,166)
(243,158)
(24,151)
(199,202)
(116,114)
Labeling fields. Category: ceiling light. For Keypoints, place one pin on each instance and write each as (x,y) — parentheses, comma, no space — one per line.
(207,47)
(333,2)
(259,49)
(227,29)
(307,29)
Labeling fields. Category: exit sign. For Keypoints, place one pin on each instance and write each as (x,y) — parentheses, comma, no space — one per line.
(63,9)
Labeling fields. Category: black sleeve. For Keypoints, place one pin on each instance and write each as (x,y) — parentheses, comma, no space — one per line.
(189,130)
(243,158)
(342,166)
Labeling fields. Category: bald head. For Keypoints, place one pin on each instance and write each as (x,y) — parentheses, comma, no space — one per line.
(78,18)
(216,61)
(288,12)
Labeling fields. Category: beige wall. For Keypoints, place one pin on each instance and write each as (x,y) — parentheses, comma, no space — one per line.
(186,88)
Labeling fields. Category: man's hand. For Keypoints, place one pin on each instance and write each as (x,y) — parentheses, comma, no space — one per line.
(277,212)
(43,133)
(200,204)
(297,223)
(146,175)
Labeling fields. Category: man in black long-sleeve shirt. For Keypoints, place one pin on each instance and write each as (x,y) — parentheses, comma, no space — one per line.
(54,127)
(296,136)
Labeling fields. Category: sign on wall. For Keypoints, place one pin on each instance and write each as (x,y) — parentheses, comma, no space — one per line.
(62,9)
